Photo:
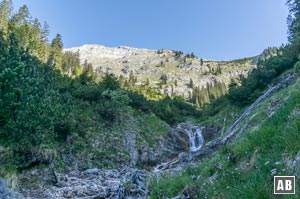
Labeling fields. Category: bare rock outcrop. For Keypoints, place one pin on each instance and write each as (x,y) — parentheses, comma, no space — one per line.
(6,193)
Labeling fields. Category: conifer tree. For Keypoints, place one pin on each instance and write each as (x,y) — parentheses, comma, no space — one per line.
(147,82)
(6,8)
(294,22)
(56,54)
(191,83)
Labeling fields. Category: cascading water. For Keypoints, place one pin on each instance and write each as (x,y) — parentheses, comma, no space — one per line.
(196,139)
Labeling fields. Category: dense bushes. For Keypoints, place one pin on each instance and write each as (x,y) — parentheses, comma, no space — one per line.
(138,101)
(112,103)
(170,110)
(173,110)
(260,77)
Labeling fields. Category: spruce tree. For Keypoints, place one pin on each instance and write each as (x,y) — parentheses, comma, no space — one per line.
(191,83)
(56,54)
(6,8)
(294,22)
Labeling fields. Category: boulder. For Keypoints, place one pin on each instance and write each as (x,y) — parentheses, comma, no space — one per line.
(148,157)
(209,133)
(178,140)
(6,193)
(185,157)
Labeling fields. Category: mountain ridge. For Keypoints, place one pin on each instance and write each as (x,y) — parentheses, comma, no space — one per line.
(169,72)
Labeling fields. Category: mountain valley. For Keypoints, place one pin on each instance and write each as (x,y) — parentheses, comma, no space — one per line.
(96,122)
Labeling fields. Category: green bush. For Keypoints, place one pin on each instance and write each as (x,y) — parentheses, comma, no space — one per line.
(112,103)
(297,67)
(260,77)
(138,101)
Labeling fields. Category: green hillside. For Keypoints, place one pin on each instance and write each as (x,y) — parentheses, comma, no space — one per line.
(70,131)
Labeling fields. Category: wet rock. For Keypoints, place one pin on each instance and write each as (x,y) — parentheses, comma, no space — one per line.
(292,164)
(296,162)
(209,133)
(273,172)
(5,193)
(185,157)
(188,137)
(178,140)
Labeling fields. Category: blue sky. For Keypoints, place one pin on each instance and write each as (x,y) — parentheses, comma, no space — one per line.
(214,29)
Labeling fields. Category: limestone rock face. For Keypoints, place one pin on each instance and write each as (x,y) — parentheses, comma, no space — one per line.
(130,145)
(151,65)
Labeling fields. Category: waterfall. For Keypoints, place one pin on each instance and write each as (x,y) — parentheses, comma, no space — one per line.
(196,139)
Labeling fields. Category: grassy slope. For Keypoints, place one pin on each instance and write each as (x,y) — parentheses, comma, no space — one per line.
(268,143)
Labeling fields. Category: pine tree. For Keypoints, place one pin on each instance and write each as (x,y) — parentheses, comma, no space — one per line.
(160,85)
(121,79)
(209,68)
(6,8)
(87,75)
(131,79)
(197,102)
(162,64)
(20,24)
(45,33)
(193,55)
(147,82)
(56,54)
(191,84)
(218,71)
(126,84)
(294,22)
(70,61)
(163,79)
